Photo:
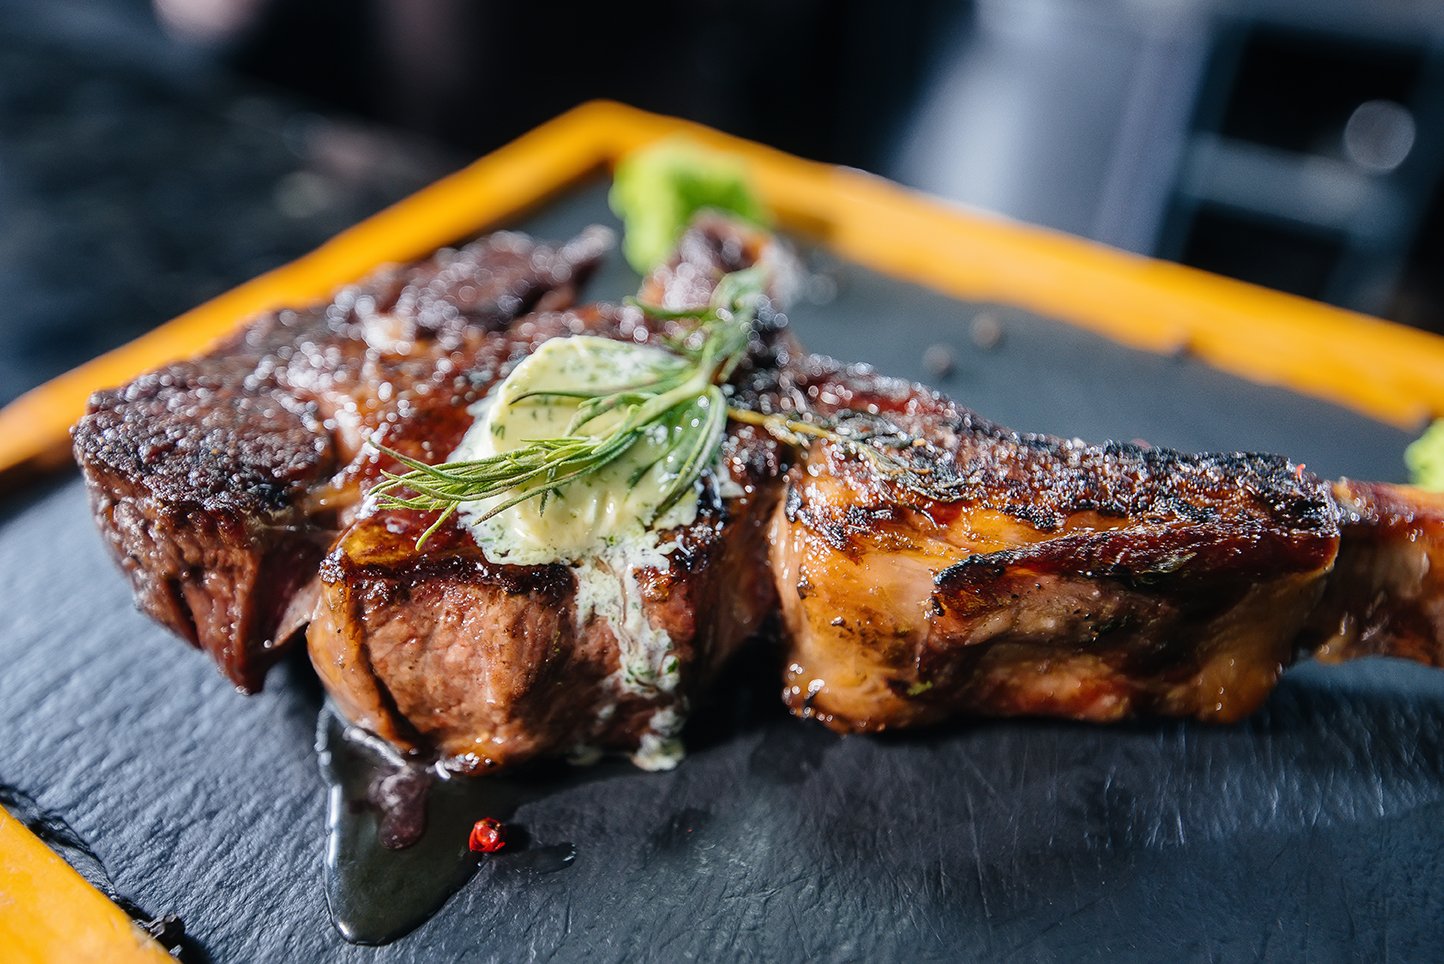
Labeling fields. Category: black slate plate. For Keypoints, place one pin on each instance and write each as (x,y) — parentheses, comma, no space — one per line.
(1314,830)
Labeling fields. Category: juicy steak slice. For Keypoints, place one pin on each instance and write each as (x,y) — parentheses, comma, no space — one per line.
(486,665)
(219,483)
(440,650)
(1058,579)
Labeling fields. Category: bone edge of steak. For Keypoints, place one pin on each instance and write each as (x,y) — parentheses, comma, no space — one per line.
(1151,622)
(1385,596)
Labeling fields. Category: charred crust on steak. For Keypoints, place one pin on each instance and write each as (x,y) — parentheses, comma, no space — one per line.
(1040,480)
(1161,557)
(219,482)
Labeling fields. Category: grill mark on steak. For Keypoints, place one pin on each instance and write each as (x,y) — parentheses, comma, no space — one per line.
(219,483)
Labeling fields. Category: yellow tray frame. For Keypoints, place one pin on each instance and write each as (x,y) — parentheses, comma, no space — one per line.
(48,912)
(1392,373)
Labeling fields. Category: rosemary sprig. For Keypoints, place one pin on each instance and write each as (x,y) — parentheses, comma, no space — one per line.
(685,405)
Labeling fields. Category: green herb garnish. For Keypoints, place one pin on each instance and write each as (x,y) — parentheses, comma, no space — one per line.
(1425,459)
(657,191)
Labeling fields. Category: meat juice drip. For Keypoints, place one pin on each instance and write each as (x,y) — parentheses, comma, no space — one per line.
(396,833)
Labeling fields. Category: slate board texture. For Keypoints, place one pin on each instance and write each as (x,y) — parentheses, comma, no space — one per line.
(1314,830)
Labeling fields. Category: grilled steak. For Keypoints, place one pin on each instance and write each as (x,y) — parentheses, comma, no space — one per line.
(441,649)
(1056,578)
(219,483)
(959,568)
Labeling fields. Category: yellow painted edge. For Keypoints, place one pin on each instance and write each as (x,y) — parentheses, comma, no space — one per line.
(1381,369)
(49,913)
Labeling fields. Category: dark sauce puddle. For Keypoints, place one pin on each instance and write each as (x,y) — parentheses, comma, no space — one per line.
(396,832)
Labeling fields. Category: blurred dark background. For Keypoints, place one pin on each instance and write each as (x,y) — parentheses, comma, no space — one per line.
(156,152)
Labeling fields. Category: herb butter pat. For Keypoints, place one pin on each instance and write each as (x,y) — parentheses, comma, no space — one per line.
(614,504)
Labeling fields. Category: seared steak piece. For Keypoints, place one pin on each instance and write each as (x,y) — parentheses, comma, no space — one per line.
(442,650)
(1056,578)
(219,483)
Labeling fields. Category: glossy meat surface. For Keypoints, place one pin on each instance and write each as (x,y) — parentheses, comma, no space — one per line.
(440,650)
(1385,596)
(1056,578)
(999,574)
(220,482)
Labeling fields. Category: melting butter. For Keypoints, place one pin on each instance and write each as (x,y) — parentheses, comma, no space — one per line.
(601,526)
(608,507)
